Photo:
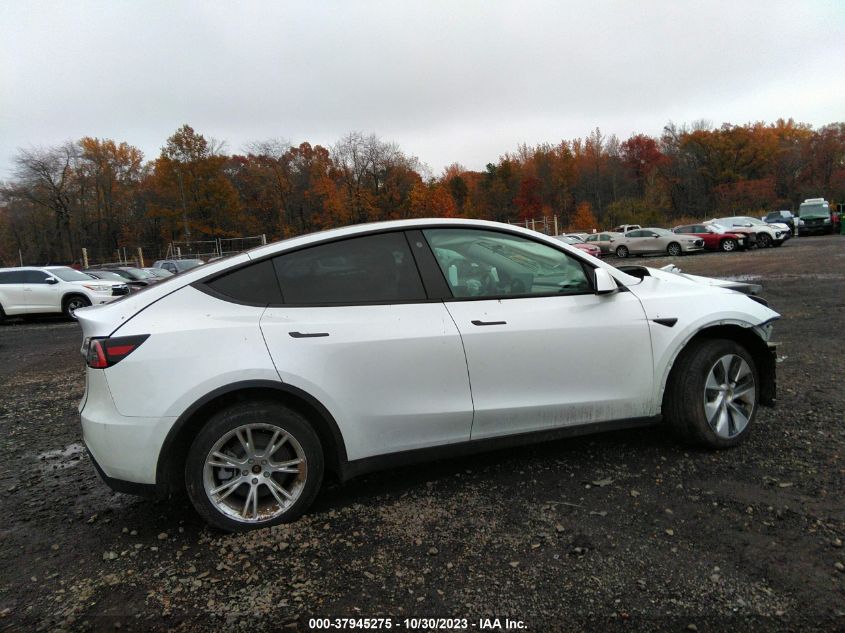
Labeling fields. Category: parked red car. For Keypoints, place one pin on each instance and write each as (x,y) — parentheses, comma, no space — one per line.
(713,239)
(590,249)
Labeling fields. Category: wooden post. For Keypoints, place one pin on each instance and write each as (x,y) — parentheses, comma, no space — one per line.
(178,252)
(85,258)
(264,239)
(533,224)
(140,257)
(555,217)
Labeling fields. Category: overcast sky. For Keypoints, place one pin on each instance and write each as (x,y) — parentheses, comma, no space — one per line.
(448,81)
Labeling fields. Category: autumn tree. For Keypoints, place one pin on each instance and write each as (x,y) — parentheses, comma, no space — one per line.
(191,194)
(583,219)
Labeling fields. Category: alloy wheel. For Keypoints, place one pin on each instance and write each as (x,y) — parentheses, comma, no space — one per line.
(73,305)
(255,472)
(674,249)
(730,395)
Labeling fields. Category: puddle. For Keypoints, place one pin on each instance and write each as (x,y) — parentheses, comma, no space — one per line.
(60,459)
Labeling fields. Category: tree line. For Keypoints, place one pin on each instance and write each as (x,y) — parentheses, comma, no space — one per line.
(102,195)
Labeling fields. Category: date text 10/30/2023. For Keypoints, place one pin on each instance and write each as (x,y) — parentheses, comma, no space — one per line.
(447,624)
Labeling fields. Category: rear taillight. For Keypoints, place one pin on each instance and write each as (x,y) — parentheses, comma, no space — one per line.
(105,352)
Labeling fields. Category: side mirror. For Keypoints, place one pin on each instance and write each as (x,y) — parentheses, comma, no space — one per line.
(605,283)
(51,280)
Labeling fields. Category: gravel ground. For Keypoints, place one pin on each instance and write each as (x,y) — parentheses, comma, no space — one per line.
(623,531)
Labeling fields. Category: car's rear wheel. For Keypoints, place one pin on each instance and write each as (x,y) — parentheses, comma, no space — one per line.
(764,240)
(712,395)
(74,303)
(728,244)
(254,465)
(674,249)
(622,252)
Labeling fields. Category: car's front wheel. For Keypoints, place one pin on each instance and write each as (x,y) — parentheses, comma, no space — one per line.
(674,249)
(764,240)
(712,395)
(728,244)
(254,465)
(74,303)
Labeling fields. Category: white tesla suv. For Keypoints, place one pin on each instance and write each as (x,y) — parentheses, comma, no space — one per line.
(244,381)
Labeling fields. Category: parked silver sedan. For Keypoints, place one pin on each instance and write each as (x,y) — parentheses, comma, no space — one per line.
(651,241)
(606,241)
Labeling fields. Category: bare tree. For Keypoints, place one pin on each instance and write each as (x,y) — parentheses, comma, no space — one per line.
(44,176)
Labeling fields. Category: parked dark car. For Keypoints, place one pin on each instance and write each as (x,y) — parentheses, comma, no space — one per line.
(133,276)
(781,217)
(161,273)
(715,238)
(109,275)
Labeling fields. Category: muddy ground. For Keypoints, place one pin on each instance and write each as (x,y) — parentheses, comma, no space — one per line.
(621,531)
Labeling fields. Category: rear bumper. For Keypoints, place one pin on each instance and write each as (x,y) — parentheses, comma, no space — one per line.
(151,491)
(125,450)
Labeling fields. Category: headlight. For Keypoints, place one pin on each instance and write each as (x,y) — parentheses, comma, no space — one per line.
(827,220)
(97,287)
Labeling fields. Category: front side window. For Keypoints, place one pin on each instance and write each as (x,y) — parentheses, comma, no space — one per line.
(35,277)
(489,264)
(360,270)
(635,234)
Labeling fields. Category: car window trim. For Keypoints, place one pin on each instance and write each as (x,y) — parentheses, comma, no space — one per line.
(434,290)
(589,271)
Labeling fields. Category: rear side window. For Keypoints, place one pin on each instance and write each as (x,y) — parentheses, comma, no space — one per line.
(12,277)
(254,284)
(368,269)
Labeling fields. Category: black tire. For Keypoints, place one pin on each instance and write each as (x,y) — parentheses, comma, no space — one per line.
(269,414)
(72,303)
(674,250)
(684,399)
(764,240)
(728,245)
(622,252)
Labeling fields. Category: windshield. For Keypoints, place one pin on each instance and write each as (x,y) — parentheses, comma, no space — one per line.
(106,274)
(69,274)
(568,240)
(136,273)
(814,208)
(187,264)
(661,231)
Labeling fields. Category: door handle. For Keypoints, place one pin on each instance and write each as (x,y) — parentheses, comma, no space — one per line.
(476,322)
(308,334)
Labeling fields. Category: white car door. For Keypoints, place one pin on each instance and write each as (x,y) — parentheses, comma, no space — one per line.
(12,296)
(41,296)
(543,350)
(357,331)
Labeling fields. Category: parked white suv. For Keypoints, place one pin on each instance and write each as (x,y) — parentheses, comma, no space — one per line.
(53,290)
(758,233)
(245,381)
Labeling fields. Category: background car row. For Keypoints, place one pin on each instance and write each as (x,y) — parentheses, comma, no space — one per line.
(720,234)
(31,290)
